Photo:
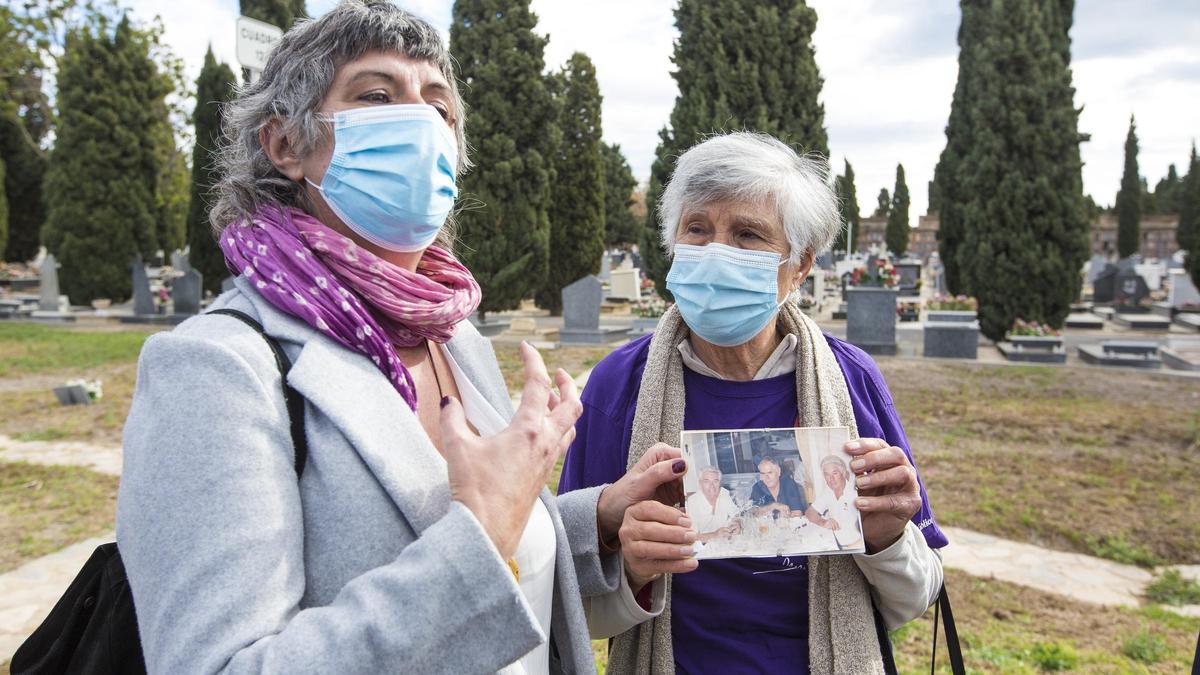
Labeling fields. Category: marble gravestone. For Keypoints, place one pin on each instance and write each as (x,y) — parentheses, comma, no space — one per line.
(1129,288)
(48,298)
(1182,292)
(143,301)
(179,261)
(581,302)
(186,291)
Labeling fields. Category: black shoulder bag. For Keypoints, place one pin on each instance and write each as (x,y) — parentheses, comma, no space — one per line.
(93,627)
(956,659)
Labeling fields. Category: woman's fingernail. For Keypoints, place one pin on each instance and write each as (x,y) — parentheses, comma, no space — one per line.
(684,521)
(691,563)
(689,536)
(853,445)
(862,503)
(679,466)
(858,464)
(685,550)
(445,401)
(864,481)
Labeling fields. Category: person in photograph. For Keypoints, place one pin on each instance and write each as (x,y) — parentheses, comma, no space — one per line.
(419,536)
(712,510)
(775,494)
(743,217)
(834,508)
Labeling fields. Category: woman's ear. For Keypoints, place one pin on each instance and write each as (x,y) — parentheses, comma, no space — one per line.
(280,150)
(802,270)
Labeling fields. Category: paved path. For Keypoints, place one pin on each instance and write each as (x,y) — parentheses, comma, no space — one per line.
(29,592)
(1079,577)
(96,457)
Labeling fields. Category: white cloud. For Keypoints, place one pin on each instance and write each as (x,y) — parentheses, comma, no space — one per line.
(889,71)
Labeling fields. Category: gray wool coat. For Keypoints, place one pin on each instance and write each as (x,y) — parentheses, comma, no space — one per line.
(364,565)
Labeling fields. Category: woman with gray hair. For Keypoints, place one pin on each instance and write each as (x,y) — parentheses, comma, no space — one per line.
(743,218)
(419,535)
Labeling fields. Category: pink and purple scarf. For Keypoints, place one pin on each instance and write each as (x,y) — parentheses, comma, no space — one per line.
(348,293)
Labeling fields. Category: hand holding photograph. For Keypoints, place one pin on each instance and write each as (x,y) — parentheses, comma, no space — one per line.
(771,492)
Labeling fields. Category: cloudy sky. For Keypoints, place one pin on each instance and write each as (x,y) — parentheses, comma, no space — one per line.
(889,70)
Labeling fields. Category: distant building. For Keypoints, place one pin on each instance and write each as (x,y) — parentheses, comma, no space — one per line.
(872,231)
(1158,235)
(1157,231)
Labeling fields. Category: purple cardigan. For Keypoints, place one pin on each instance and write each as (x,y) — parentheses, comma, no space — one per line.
(601,448)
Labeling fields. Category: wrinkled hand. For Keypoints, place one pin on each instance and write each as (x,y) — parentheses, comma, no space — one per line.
(499,478)
(656,539)
(888,492)
(658,475)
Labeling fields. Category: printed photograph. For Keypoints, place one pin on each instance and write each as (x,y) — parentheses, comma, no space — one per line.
(771,492)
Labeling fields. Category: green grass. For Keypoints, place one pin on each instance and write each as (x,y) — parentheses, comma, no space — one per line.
(1170,588)
(27,349)
(1145,647)
(1005,628)
(46,508)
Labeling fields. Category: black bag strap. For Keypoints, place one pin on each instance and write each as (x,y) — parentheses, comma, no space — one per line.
(952,646)
(292,398)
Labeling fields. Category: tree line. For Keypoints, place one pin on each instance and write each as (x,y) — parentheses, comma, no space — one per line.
(97,174)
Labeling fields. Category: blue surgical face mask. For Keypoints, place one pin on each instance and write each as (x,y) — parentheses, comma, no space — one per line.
(391,179)
(726,295)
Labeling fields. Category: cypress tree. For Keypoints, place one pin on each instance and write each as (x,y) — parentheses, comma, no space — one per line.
(848,198)
(513,124)
(946,195)
(214,87)
(1129,199)
(1166,192)
(3,212)
(1024,227)
(577,208)
(1187,231)
(769,83)
(620,225)
(897,220)
(102,179)
(883,204)
(26,167)
(282,13)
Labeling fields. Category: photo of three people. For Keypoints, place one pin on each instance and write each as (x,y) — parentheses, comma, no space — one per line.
(771,492)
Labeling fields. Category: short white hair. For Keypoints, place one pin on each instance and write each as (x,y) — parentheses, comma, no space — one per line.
(710,469)
(752,167)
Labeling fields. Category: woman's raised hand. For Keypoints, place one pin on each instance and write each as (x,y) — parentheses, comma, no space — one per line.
(498,478)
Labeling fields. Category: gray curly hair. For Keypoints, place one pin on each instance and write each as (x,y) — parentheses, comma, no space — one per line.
(752,167)
(296,79)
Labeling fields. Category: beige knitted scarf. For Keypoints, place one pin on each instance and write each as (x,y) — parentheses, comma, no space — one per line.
(841,622)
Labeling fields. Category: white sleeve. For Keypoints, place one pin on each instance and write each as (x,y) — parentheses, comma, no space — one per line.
(905,577)
(614,613)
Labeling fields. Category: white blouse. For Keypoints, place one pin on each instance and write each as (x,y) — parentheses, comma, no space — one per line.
(538,546)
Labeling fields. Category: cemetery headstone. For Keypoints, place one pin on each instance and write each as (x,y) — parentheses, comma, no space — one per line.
(1183,292)
(910,276)
(1095,266)
(626,284)
(605,266)
(179,261)
(143,301)
(186,291)
(48,298)
(1104,288)
(581,302)
(1130,288)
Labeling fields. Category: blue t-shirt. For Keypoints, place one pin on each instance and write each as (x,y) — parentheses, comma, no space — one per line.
(747,615)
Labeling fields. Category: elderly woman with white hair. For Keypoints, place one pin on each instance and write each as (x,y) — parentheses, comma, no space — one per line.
(378,507)
(743,217)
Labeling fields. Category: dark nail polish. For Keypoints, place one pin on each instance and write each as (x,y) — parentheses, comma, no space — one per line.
(678,466)
(445,401)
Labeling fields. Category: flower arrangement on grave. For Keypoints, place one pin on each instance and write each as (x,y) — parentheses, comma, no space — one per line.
(956,303)
(878,273)
(650,308)
(907,311)
(1023,328)
(93,388)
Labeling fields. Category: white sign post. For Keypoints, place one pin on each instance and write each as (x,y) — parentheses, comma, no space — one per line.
(255,39)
